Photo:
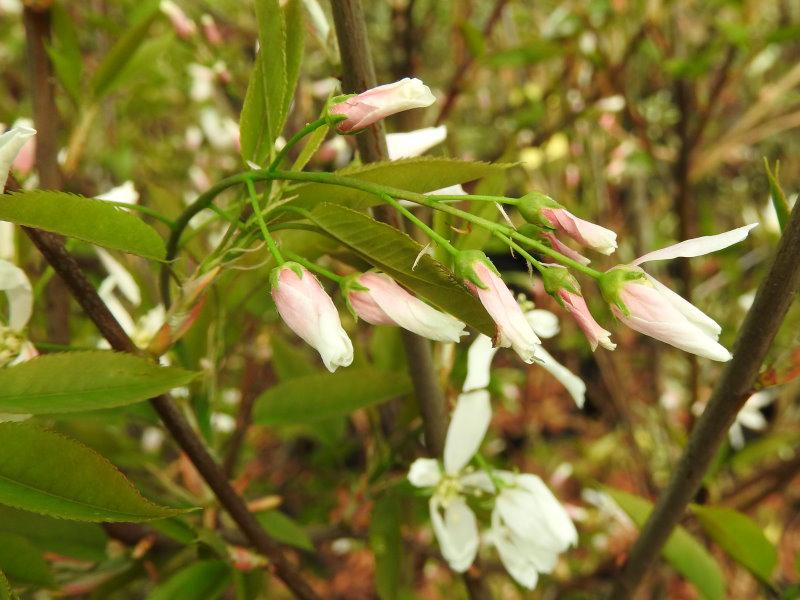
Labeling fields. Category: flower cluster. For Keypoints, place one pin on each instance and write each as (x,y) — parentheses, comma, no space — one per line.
(528,526)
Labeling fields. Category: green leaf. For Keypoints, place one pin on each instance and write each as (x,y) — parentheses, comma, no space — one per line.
(312,144)
(272,41)
(740,537)
(295,41)
(176,529)
(65,53)
(48,473)
(23,562)
(473,39)
(386,543)
(253,128)
(79,381)
(87,219)
(204,580)
(285,530)
(6,593)
(324,395)
(84,541)
(779,201)
(395,253)
(477,237)
(106,77)
(683,551)
(422,175)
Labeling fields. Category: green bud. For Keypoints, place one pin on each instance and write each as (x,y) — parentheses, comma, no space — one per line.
(464,266)
(556,277)
(612,281)
(530,207)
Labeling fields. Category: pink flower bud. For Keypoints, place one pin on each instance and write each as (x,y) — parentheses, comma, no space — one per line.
(378,103)
(513,329)
(183,25)
(210,30)
(561,247)
(576,305)
(308,311)
(585,233)
(386,303)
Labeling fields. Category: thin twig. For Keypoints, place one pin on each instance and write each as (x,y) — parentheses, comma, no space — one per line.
(774,296)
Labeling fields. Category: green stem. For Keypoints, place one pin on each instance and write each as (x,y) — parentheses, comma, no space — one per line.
(442,241)
(524,253)
(311,127)
(478,197)
(273,247)
(312,266)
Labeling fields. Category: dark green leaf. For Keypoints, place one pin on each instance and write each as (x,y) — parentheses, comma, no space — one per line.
(45,472)
(204,580)
(106,76)
(386,543)
(84,541)
(779,201)
(682,550)
(79,381)
(740,537)
(413,174)
(395,253)
(325,395)
(87,219)
(176,529)
(285,530)
(22,561)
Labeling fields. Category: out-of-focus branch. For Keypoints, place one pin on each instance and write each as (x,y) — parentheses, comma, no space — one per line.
(774,296)
(457,82)
(70,272)
(45,119)
(359,75)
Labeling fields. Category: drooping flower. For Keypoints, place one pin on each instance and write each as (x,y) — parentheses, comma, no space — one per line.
(366,108)
(413,143)
(646,305)
(308,311)
(543,211)
(530,528)
(483,280)
(14,347)
(453,521)
(750,416)
(384,302)
(11,142)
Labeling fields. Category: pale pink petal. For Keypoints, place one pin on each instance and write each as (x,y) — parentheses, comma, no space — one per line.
(698,246)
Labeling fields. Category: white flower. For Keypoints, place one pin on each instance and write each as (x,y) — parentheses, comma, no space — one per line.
(453,521)
(14,348)
(125,193)
(530,528)
(413,143)
(11,142)
(750,416)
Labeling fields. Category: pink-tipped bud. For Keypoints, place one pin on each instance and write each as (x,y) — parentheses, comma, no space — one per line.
(182,24)
(384,302)
(378,103)
(561,247)
(585,233)
(210,30)
(483,280)
(595,334)
(307,310)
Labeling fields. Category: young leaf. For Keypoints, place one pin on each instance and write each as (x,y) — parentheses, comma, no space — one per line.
(740,537)
(413,174)
(395,253)
(285,530)
(23,562)
(324,395)
(83,541)
(272,41)
(65,53)
(106,77)
(779,201)
(48,473)
(79,381)
(682,550)
(203,580)
(295,40)
(87,219)
(386,543)
(312,144)
(253,132)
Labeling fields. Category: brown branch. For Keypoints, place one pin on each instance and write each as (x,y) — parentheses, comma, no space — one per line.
(82,290)
(457,82)
(774,296)
(359,75)
(46,121)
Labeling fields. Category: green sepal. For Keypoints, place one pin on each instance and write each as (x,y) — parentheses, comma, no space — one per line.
(465,270)
(332,119)
(530,207)
(296,267)
(612,281)
(557,277)
(350,284)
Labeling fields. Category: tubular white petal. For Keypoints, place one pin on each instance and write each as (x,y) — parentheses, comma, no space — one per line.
(17,287)
(125,193)
(123,279)
(573,383)
(457,532)
(696,316)
(544,323)
(468,425)
(698,246)
(424,472)
(479,362)
(106,293)
(517,565)
(413,143)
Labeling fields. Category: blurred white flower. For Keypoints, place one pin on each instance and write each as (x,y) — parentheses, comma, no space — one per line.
(750,416)
(222,132)
(202,82)
(125,193)
(14,347)
(413,143)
